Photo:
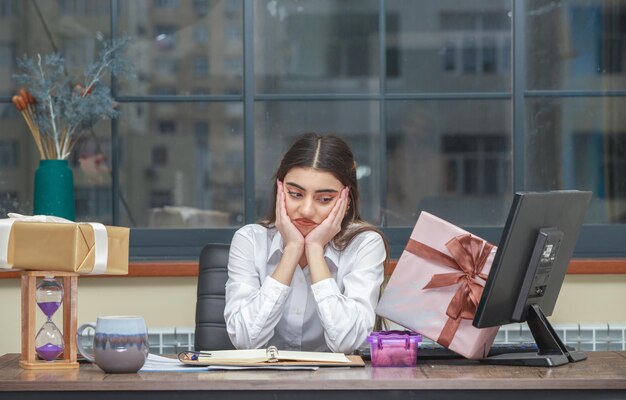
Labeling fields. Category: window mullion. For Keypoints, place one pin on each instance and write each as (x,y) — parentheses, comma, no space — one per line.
(519,85)
(248,111)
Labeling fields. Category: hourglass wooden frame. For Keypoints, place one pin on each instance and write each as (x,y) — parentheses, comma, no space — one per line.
(28,359)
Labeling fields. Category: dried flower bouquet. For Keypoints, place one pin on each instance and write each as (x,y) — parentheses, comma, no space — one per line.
(56,110)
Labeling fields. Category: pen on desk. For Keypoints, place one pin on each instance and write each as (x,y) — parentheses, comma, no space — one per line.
(197,354)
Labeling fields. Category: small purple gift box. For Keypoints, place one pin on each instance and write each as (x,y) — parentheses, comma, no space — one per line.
(393,348)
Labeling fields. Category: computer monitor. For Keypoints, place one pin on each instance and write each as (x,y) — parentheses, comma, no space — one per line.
(528,270)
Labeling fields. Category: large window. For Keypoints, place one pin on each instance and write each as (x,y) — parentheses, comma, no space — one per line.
(450,107)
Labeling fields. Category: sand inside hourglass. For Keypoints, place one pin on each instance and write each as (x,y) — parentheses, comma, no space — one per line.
(53,345)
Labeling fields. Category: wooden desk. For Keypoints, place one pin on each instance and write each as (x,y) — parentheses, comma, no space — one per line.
(603,375)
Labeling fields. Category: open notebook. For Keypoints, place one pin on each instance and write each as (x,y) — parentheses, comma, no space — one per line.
(269,356)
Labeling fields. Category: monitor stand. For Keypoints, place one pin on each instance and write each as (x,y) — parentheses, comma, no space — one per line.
(552,351)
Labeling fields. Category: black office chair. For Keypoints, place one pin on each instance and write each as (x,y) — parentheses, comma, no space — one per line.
(212,275)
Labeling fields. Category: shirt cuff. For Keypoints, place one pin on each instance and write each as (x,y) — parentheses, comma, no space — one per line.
(274,290)
(325,288)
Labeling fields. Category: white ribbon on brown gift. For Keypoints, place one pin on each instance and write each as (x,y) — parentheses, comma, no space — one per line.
(101,247)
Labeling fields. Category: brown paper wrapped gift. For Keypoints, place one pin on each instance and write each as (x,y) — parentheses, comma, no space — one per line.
(67,247)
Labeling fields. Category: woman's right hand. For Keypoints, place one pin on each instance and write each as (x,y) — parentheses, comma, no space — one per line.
(293,239)
(290,234)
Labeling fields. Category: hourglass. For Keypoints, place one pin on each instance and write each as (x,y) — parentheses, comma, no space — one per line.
(49,343)
(49,348)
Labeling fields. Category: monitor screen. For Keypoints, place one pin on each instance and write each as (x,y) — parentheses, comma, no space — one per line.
(537,243)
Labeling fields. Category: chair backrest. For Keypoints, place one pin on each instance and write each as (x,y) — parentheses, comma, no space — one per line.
(212,275)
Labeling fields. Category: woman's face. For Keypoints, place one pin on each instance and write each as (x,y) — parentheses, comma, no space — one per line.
(310,196)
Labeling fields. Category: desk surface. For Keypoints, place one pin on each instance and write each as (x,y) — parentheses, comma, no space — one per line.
(601,373)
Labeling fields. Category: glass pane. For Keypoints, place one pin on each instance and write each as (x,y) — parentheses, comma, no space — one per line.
(280,123)
(184,47)
(448,46)
(450,158)
(576,44)
(579,143)
(90,163)
(181,165)
(19,159)
(316,46)
(72,27)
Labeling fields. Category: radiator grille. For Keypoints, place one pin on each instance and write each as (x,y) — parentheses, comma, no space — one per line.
(585,337)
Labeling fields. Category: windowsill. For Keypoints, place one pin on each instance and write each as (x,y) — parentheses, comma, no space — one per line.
(582,266)
(190,268)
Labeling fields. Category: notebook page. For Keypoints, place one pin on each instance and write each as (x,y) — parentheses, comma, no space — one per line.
(312,356)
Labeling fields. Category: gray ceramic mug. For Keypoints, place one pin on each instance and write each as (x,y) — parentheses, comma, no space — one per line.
(120,344)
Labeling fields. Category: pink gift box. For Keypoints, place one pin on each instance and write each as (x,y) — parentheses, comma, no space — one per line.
(437,284)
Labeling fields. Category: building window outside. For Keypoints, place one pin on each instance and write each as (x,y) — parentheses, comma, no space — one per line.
(201,7)
(232,8)
(167,127)
(7,55)
(475,164)
(159,156)
(200,34)
(233,33)
(605,29)
(475,43)
(200,67)
(201,133)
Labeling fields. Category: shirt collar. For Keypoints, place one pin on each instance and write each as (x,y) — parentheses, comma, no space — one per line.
(277,245)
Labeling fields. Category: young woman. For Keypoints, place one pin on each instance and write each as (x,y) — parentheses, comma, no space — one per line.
(307,277)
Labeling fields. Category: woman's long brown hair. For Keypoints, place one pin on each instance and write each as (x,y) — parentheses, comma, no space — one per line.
(331,154)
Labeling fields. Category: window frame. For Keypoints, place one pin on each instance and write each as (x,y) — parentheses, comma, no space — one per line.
(595,241)
(147,244)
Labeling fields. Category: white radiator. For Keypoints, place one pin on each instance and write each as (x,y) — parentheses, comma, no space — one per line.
(585,337)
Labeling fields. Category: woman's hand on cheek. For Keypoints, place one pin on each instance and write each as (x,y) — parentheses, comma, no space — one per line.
(331,226)
(290,234)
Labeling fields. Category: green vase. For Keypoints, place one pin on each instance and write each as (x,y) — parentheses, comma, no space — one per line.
(54,190)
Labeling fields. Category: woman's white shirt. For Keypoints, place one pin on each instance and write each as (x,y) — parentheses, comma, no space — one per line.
(334,314)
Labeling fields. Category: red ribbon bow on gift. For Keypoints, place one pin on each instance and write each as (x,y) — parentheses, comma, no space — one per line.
(469,255)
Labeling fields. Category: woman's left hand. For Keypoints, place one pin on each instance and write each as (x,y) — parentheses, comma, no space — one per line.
(331,226)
